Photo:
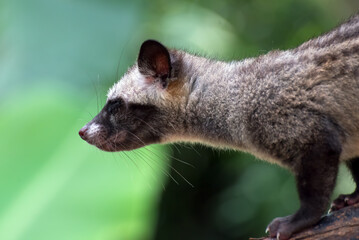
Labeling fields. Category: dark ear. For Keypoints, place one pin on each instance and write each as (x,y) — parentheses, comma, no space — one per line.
(154,62)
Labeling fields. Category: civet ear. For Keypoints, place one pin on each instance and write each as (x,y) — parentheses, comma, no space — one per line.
(154,62)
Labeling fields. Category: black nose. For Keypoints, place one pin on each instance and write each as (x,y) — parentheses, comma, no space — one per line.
(83,132)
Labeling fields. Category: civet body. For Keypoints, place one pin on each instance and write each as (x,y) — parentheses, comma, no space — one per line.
(298,108)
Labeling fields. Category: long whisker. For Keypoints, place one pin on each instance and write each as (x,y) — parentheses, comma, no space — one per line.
(96,92)
(169,164)
(134,162)
(169,156)
(98,82)
(174,145)
(190,146)
(128,165)
(153,129)
(153,170)
(186,163)
(172,157)
(127,157)
(175,170)
(119,61)
(161,168)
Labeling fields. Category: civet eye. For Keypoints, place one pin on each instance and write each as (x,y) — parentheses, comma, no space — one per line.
(114,106)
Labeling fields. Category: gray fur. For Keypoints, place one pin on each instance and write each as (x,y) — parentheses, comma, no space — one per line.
(274,104)
(298,108)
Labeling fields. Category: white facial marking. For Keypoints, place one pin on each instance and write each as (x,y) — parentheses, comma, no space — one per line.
(135,88)
(93,129)
(131,87)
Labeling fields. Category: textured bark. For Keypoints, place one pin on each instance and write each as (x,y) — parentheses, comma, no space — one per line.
(339,225)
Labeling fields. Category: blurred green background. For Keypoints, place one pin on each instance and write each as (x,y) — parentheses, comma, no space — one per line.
(57,60)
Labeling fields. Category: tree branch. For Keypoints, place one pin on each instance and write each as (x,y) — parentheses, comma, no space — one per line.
(342,224)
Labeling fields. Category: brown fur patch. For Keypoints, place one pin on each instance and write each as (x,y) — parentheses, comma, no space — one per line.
(175,88)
